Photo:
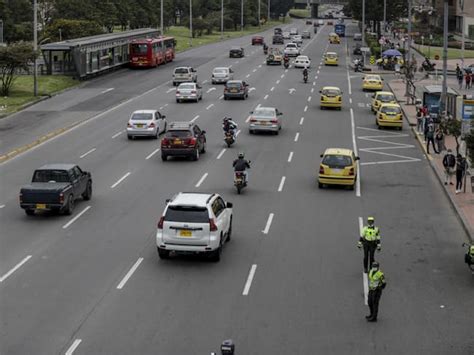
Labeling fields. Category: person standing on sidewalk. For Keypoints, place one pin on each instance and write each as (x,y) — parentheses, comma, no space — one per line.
(439,139)
(461,167)
(419,120)
(430,137)
(468,80)
(376,284)
(449,162)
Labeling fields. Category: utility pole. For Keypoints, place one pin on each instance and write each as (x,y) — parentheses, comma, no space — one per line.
(384,16)
(268,10)
(461,2)
(241,15)
(190,23)
(408,63)
(222,19)
(1,32)
(444,93)
(35,48)
(161,18)
(259,24)
(363,20)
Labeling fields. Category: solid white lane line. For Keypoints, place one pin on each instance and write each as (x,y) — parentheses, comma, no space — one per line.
(273,88)
(15,268)
(117,134)
(201,180)
(221,153)
(349,82)
(208,107)
(278,81)
(312,90)
(87,153)
(282,75)
(253,71)
(221,97)
(282,182)
(290,157)
(309,98)
(152,153)
(361,225)
(247,75)
(265,97)
(350,100)
(120,180)
(249,280)
(211,89)
(76,217)
(73,347)
(354,143)
(306,108)
(269,223)
(195,118)
(169,90)
(107,90)
(301,120)
(297,136)
(129,273)
(365,282)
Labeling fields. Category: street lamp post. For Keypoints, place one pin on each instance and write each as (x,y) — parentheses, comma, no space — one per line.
(190,23)
(444,93)
(363,20)
(461,2)
(241,15)
(222,19)
(268,10)
(1,32)
(259,1)
(384,16)
(407,63)
(35,48)
(161,18)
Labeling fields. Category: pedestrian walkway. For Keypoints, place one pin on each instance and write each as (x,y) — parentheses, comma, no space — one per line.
(464,201)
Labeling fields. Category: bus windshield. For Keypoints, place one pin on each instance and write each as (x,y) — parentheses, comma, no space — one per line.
(139,48)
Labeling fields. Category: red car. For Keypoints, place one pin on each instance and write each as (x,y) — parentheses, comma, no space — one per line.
(257,40)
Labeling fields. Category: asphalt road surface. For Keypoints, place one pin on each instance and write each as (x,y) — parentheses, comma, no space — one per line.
(289,282)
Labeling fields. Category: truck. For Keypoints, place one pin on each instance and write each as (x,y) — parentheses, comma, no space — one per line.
(56,187)
(340,29)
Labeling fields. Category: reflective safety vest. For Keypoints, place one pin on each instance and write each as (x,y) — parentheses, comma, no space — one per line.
(376,279)
(471,251)
(371,234)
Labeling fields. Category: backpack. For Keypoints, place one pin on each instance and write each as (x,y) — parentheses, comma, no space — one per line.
(450,160)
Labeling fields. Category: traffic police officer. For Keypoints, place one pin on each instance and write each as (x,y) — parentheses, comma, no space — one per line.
(376,284)
(370,240)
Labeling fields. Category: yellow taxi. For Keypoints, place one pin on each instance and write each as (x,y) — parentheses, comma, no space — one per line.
(331,96)
(372,82)
(338,167)
(389,115)
(382,97)
(334,38)
(331,58)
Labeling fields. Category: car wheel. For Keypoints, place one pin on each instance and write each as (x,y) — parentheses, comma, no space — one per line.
(164,157)
(156,134)
(177,100)
(351,187)
(129,137)
(216,254)
(88,192)
(320,185)
(174,83)
(203,150)
(379,126)
(163,253)
(276,133)
(250,131)
(70,206)
(196,154)
(29,212)
(225,97)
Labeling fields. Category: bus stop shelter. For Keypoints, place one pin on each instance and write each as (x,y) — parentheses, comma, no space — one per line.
(88,56)
(432,97)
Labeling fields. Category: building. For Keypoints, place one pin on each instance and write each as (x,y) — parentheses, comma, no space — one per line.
(455,16)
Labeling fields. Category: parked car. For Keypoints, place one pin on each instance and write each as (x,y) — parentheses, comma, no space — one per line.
(56,187)
(257,40)
(183,139)
(236,52)
(222,75)
(183,75)
(278,39)
(188,92)
(265,119)
(197,223)
(236,89)
(146,123)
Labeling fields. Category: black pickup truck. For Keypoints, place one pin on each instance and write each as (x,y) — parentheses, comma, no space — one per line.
(55,187)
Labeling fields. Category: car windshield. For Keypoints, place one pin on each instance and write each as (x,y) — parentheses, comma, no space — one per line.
(187,86)
(235,49)
(139,48)
(385,98)
(220,71)
(303,59)
(394,110)
(372,77)
(264,113)
(337,161)
(51,175)
(331,55)
(181,71)
(142,116)
(178,134)
(291,45)
(331,92)
(233,84)
(190,214)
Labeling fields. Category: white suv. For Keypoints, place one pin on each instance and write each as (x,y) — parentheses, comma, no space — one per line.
(194,223)
(184,75)
(292,50)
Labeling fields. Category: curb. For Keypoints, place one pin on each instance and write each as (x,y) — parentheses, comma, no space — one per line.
(403,110)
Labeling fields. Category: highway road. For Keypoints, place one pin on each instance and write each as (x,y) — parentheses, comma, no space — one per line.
(289,282)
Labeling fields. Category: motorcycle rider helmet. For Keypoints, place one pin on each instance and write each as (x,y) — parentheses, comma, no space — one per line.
(241,155)
(227,347)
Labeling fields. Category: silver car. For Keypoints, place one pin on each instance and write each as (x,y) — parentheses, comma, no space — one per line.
(297,39)
(189,92)
(265,119)
(146,123)
(184,74)
(222,75)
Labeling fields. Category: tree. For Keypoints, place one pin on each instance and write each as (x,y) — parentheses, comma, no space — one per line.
(13,57)
(452,127)
(469,138)
(72,29)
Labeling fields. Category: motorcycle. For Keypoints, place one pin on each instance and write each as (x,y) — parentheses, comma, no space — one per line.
(229,138)
(265,50)
(469,256)
(305,78)
(239,180)
(427,66)
(358,66)
(286,63)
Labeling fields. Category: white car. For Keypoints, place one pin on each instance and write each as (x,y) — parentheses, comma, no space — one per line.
(292,50)
(222,75)
(188,92)
(320,22)
(286,35)
(194,223)
(293,31)
(297,39)
(302,61)
(146,123)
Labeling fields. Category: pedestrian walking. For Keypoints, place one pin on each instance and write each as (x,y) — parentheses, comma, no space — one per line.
(460,79)
(439,139)
(430,137)
(449,162)
(461,167)
(376,284)
(370,240)
(419,120)
(468,80)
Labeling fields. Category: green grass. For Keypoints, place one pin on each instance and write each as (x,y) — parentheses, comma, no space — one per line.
(22,90)
(453,53)
(302,13)
(182,35)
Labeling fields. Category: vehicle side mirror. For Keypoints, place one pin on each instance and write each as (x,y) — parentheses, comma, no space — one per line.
(168,200)
(357,158)
(229,205)
(163,116)
(280,113)
(251,112)
(320,91)
(321,155)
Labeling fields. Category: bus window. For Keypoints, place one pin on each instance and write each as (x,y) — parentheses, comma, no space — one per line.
(139,48)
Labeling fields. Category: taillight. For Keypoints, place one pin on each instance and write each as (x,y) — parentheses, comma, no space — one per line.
(225,89)
(192,141)
(160,222)
(177,92)
(322,98)
(165,141)
(20,197)
(212,225)
(253,120)
(340,98)
(129,124)
(351,171)
(151,125)
(274,121)
(321,169)
(193,91)
(61,197)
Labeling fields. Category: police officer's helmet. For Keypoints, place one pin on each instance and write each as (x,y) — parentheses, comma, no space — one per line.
(227,347)
(241,155)
(375,265)
(371,220)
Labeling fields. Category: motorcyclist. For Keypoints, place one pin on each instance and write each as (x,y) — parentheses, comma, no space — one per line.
(305,73)
(427,64)
(228,125)
(240,165)
(469,256)
(265,48)
(286,58)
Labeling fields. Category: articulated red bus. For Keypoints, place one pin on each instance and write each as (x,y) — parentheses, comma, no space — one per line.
(151,52)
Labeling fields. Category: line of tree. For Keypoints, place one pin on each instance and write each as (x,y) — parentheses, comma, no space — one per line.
(76,18)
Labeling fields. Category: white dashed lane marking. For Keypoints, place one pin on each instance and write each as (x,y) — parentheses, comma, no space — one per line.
(87,153)
(269,223)
(301,120)
(120,180)
(249,280)
(16,267)
(297,136)
(290,157)
(201,180)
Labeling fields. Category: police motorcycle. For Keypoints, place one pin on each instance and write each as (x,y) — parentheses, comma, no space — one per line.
(229,127)
(227,348)
(469,256)
(358,65)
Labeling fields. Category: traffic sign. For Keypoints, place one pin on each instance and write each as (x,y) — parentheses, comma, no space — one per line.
(372,59)
(364,49)
(436,57)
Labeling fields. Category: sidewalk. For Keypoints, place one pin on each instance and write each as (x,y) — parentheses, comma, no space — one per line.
(463,202)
